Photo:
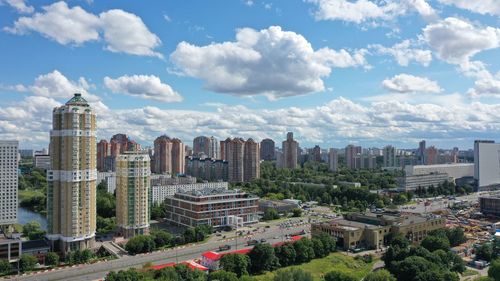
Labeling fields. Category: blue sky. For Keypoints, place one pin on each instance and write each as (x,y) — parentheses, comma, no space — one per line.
(333,71)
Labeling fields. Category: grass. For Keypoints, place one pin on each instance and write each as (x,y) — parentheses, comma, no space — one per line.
(470,272)
(319,267)
(25,194)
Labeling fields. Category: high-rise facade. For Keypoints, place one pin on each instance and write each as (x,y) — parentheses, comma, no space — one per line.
(487,163)
(103,151)
(316,154)
(132,193)
(71,191)
(251,160)
(333,160)
(8,181)
(267,148)
(290,149)
(389,153)
(201,146)
(169,155)
(431,156)
(214,151)
(353,156)
(421,152)
(243,159)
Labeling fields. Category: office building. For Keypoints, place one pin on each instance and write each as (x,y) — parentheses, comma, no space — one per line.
(207,169)
(290,148)
(42,162)
(389,153)
(109,178)
(456,171)
(214,207)
(169,155)
(486,163)
(431,156)
(421,152)
(71,191)
(353,157)
(160,192)
(333,160)
(267,148)
(316,154)
(8,181)
(366,161)
(490,205)
(103,151)
(26,153)
(410,183)
(132,193)
(369,230)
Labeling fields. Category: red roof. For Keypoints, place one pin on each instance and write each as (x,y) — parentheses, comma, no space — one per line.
(211,255)
(194,265)
(296,238)
(160,266)
(240,251)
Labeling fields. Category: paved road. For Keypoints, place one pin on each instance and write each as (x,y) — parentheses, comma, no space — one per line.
(99,270)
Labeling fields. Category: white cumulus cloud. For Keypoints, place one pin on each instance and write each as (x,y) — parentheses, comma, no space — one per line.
(405,83)
(143,86)
(404,53)
(271,62)
(121,31)
(483,7)
(19,5)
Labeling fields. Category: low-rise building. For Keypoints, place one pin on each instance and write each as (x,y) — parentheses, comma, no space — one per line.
(282,207)
(160,192)
(42,162)
(10,249)
(214,207)
(490,205)
(454,170)
(369,230)
(408,183)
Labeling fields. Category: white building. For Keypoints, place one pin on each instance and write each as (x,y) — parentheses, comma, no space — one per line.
(110,178)
(408,183)
(42,162)
(454,170)
(486,163)
(160,192)
(8,182)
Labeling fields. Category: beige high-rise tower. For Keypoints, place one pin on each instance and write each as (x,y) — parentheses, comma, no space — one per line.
(71,192)
(132,193)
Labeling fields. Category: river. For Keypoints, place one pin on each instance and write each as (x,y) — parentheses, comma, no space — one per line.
(24,216)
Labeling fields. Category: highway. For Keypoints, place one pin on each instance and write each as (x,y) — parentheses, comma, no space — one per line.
(88,272)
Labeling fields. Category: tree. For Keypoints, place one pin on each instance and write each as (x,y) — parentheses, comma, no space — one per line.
(236,263)
(33,230)
(293,274)
(304,250)
(157,212)
(52,259)
(494,270)
(140,244)
(339,276)
(125,275)
(270,214)
(162,238)
(328,241)
(286,254)
(189,235)
(262,258)
(5,267)
(485,252)
(27,262)
(222,275)
(105,225)
(296,212)
(409,268)
(380,275)
(433,243)
(456,236)
(318,248)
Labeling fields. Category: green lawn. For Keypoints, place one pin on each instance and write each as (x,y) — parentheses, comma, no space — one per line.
(320,267)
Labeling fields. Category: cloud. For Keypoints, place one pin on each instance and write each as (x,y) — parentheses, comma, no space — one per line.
(121,31)
(361,11)
(405,83)
(143,86)
(456,41)
(486,87)
(404,53)
(483,7)
(269,62)
(19,5)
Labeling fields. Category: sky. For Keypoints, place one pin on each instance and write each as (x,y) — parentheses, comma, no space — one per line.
(334,72)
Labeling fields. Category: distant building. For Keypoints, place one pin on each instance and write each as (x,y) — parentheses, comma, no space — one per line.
(282,207)
(290,149)
(204,147)
(490,205)
(163,179)
(42,162)
(207,169)
(132,193)
(410,183)
(353,157)
(195,208)
(389,153)
(368,231)
(103,151)
(333,160)
(421,152)
(109,178)
(456,171)
(267,148)
(487,163)
(431,156)
(316,154)
(8,181)
(26,153)
(243,158)
(169,155)
(160,192)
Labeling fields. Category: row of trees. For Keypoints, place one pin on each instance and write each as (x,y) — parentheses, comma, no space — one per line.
(159,238)
(445,188)
(433,260)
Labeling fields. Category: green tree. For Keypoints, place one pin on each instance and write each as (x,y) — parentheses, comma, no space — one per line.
(106,204)
(222,275)
(262,258)
(33,230)
(379,275)
(433,243)
(296,212)
(286,254)
(339,276)
(125,275)
(328,241)
(270,214)
(293,274)
(304,250)
(157,212)
(485,252)
(52,259)
(456,236)
(494,270)
(162,238)
(236,263)
(105,225)
(27,262)
(140,244)
(412,267)
(318,248)
(5,267)
(189,235)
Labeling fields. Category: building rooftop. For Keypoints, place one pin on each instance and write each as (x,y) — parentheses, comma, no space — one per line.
(77,99)
(209,191)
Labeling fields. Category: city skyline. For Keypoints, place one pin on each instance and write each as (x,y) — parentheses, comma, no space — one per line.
(367,78)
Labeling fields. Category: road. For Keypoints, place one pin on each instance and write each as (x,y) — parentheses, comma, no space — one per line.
(88,272)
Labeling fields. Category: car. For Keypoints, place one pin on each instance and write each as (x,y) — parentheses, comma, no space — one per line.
(224,247)
(268,226)
(263,240)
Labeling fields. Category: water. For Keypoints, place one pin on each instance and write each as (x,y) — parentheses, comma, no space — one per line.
(24,216)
